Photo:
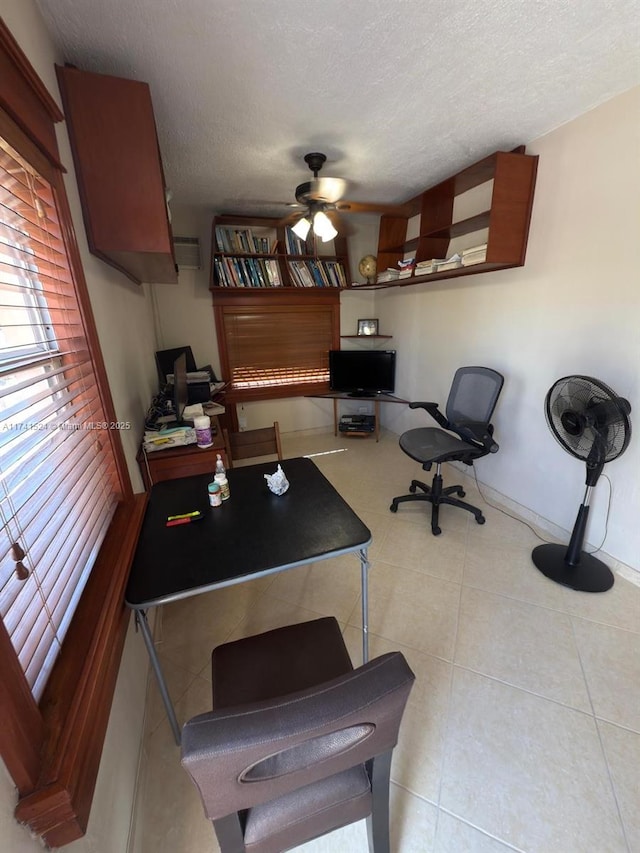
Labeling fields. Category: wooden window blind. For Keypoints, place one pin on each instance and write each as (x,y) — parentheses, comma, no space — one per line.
(59,485)
(277,350)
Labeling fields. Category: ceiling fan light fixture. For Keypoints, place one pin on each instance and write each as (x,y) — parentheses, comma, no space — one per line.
(301,228)
(323,228)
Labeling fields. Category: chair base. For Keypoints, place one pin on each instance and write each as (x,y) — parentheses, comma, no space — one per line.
(435,494)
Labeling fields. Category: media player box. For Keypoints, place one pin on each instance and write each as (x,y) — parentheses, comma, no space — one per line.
(357,423)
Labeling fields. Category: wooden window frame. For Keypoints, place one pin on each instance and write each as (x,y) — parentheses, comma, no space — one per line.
(53,749)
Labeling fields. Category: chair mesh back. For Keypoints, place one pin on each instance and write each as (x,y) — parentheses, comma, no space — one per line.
(474,394)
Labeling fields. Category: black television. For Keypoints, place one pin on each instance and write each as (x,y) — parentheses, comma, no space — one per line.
(362,372)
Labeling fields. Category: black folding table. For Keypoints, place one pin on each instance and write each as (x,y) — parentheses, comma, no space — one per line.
(253,534)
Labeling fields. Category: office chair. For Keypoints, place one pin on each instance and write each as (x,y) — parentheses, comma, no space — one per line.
(252,442)
(298,742)
(472,399)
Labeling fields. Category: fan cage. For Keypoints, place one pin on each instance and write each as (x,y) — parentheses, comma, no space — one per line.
(569,400)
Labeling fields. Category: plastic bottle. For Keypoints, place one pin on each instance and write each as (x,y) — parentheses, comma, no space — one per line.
(215,496)
(202,424)
(221,480)
(220,469)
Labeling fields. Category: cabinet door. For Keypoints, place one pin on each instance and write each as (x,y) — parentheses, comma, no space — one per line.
(117,160)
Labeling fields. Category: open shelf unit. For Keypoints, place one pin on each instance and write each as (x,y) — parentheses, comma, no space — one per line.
(260,254)
(501,186)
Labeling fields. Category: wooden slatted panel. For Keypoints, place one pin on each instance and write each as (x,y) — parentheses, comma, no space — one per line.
(276,346)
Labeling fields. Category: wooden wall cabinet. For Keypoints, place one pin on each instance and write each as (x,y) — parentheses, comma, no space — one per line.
(117,160)
(235,263)
(503,219)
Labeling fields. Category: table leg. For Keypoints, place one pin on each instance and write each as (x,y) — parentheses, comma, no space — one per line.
(377,415)
(141,620)
(335,416)
(364,572)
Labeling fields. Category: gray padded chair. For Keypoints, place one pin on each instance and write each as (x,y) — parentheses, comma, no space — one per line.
(298,742)
(472,399)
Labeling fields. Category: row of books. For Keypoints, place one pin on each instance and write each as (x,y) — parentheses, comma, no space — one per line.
(243,241)
(295,246)
(247,272)
(317,274)
(265,272)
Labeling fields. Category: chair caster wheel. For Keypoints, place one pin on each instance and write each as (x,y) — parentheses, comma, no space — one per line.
(481,519)
(461,493)
(394,507)
(412,489)
(436,531)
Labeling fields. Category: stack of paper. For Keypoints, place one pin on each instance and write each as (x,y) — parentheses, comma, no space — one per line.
(165,438)
(474,255)
(452,263)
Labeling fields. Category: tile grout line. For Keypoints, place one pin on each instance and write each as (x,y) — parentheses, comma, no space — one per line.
(600,740)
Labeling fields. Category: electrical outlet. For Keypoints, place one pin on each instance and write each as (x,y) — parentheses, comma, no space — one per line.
(362,410)
(242,423)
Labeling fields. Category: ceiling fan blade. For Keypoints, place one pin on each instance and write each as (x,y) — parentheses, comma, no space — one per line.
(291,218)
(323,190)
(371,207)
(342,227)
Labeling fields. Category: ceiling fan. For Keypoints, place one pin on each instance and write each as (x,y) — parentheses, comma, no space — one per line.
(322,201)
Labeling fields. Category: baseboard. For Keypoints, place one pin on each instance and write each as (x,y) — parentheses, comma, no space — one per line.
(544,525)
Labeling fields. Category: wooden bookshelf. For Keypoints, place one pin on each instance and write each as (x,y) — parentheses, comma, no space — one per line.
(503,184)
(259,254)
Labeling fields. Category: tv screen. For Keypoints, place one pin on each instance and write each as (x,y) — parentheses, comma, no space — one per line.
(359,372)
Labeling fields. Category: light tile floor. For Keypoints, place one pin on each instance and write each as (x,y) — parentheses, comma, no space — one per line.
(523,728)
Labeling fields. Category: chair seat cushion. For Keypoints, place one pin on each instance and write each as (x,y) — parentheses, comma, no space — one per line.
(430,444)
(252,669)
(309,811)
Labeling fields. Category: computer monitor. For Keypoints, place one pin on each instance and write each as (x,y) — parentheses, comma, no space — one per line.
(180,388)
(165,360)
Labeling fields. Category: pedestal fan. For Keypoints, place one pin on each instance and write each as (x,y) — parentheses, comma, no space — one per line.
(592,424)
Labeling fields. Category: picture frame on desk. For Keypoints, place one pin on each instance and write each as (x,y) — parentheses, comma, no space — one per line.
(367,327)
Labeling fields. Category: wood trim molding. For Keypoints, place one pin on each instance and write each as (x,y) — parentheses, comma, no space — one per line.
(25,97)
(21,733)
(77,699)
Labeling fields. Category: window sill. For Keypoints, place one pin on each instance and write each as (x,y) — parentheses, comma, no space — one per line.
(77,701)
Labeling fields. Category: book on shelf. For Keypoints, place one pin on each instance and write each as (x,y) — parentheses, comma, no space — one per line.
(474,255)
(443,264)
(242,241)
(424,267)
(390,274)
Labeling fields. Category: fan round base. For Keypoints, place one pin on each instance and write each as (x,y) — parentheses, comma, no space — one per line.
(590,575)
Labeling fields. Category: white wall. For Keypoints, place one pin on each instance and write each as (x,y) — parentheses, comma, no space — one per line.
(124,317)
(574,308)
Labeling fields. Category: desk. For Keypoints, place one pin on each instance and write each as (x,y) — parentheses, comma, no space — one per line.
(182,461)
(376,399)
(253,534)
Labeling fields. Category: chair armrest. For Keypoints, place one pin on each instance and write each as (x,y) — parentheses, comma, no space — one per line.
(432,409)
(240,757)
(478,433)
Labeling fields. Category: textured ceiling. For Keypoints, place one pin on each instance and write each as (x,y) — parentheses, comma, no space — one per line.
(398,93)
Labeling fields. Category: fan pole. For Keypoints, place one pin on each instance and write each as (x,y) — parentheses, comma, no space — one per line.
(573,567)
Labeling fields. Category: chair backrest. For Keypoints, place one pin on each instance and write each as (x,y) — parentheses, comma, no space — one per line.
(252,442)
(474,394)
(249,754)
